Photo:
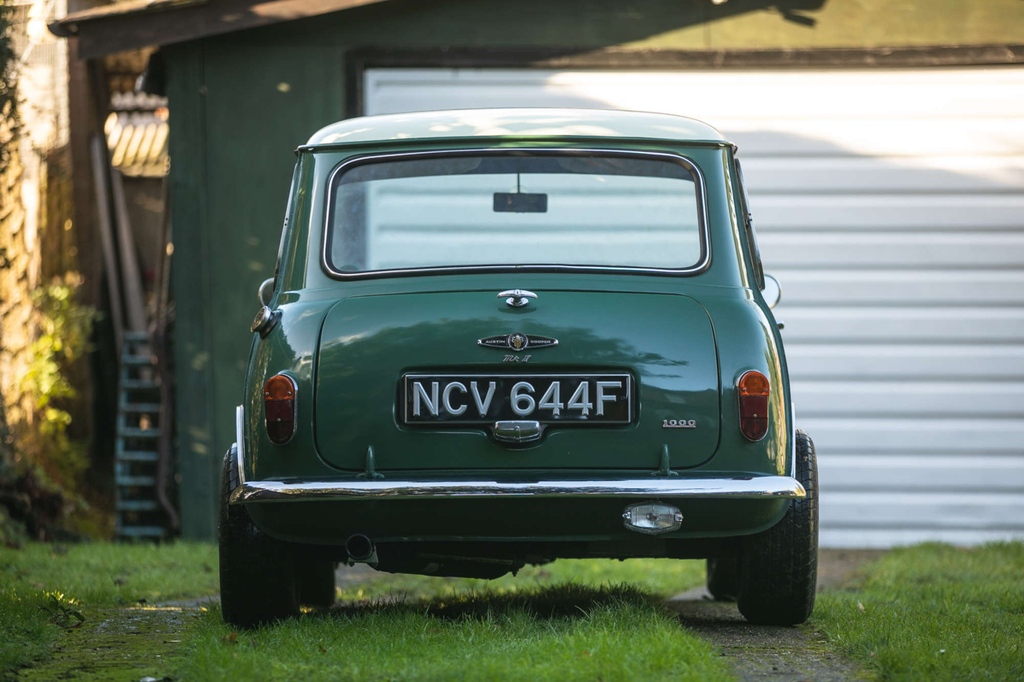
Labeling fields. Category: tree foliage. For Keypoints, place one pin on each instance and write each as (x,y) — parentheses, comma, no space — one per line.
(8,92)
(8,102)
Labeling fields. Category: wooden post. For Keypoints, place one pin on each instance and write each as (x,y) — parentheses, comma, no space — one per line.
(130,277)
(106,230)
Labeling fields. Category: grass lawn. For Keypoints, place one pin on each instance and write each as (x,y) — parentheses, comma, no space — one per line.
(45,589)
(934,612)
(930,612)
(571,620)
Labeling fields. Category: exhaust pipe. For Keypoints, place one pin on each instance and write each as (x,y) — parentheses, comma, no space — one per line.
(360,550)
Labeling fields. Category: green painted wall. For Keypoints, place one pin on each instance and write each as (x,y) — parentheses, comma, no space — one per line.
(240,109)
(241,103)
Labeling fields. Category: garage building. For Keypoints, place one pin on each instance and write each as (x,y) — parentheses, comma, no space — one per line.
(883,147)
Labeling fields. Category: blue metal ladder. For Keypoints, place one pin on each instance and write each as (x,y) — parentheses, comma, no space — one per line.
(139,512)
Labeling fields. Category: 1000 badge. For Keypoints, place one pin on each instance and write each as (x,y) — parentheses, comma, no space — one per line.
(546,398)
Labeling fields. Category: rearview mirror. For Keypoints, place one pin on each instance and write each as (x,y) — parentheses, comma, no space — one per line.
(520,202)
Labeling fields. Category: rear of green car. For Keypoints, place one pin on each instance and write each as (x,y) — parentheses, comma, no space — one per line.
(507,337)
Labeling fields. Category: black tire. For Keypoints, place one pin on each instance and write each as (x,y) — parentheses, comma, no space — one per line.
(723,578)
(316,583)
(257,572)
(779,567)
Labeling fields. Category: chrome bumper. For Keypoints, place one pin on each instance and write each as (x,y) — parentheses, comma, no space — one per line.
(339,491)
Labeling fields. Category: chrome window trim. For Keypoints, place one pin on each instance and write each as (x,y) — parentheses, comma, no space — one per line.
(760,487)
(699,185)
(240,442)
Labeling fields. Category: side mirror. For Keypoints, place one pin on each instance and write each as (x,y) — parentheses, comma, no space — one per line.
(772,291)
(266,290)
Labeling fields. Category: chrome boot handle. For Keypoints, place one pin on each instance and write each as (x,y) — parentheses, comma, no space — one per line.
(518,431)
(517,298)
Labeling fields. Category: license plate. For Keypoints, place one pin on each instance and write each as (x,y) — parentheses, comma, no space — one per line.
(546,398)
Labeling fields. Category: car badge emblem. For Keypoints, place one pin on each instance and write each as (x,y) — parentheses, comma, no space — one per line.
(517,341)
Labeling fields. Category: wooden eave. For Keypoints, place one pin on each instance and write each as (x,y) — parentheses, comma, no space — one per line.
(146,23)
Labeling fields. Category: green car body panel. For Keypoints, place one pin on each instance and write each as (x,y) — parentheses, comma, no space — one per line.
(356,467)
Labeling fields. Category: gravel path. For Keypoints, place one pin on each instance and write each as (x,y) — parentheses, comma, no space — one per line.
(759,652)
(784,654)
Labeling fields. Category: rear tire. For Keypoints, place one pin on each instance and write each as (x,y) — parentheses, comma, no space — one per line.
(257,572)
(723,578)
(779,567)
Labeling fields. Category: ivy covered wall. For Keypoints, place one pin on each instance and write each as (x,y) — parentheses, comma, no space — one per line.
(43,331)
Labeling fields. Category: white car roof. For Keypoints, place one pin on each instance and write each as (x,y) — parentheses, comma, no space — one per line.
(520,123)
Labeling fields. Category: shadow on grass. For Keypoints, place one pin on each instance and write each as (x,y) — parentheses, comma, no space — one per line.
(564,601)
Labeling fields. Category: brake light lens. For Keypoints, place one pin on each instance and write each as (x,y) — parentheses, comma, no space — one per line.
(279,408)
(754,390)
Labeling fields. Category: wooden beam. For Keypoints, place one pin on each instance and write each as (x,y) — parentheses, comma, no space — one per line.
(132,25)
(135,304)
(82,121)
(675,60)
(106,230)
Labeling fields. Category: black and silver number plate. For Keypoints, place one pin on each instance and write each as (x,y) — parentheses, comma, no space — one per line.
(486,398)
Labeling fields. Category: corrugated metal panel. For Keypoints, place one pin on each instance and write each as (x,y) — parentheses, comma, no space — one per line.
(137,134)
(891,206)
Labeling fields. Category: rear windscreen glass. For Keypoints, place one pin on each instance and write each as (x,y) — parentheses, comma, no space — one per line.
(515,209)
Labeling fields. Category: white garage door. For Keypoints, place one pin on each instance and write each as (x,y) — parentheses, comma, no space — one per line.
(890,204)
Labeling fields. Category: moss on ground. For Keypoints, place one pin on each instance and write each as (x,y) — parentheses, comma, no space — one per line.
(120,643)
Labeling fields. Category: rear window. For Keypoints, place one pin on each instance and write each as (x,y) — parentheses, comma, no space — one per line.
(545,209)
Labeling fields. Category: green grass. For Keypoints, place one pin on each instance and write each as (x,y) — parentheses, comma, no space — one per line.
(934,612)
(45,589)
(660,576)
(930,612)
(104,573)
(27,632)
(571,620)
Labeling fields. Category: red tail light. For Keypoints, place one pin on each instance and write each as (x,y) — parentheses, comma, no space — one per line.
(753,389)
(279,408)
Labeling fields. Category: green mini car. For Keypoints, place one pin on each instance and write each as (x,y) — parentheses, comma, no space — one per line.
(503,337)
